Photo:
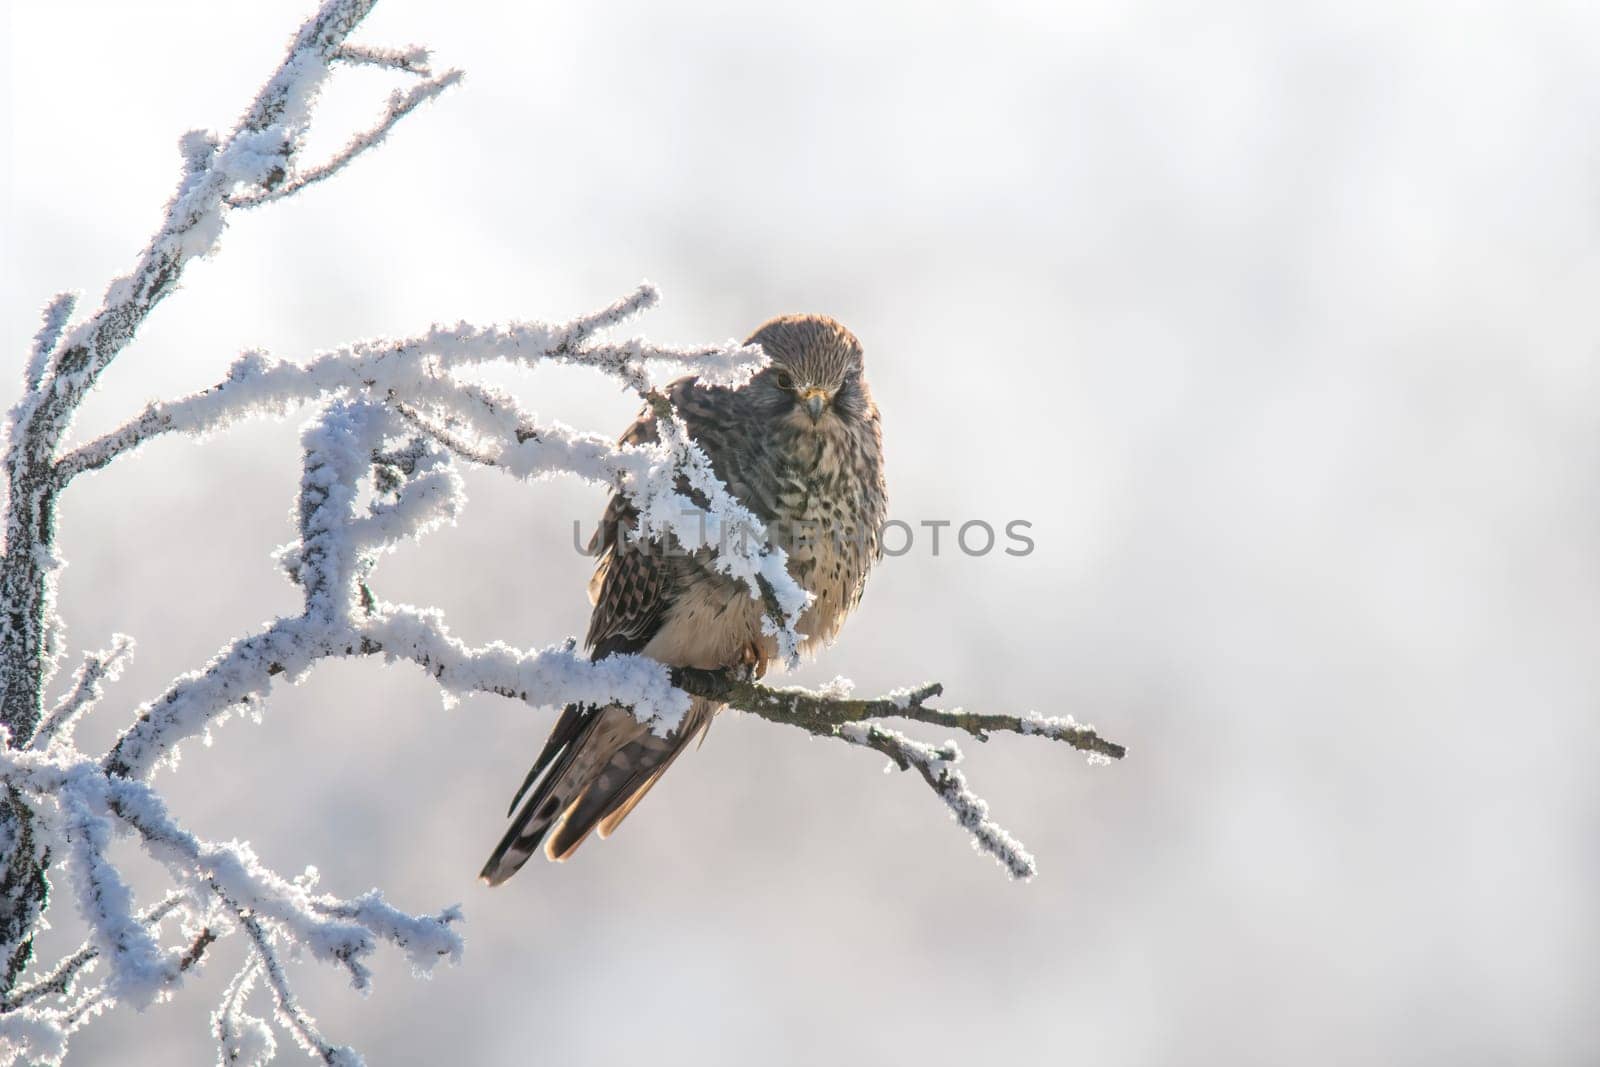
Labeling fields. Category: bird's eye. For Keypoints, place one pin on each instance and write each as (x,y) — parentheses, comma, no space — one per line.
(784,380)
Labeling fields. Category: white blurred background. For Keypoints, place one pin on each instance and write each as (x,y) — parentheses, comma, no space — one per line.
(1278,324)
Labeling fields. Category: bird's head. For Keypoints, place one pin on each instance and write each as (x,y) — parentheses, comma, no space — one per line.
(815,373)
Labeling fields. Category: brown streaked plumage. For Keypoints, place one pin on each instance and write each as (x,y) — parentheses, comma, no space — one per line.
(799,445)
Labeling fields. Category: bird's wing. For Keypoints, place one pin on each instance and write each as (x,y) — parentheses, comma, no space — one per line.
(599,762)
(631,590)
(631,586)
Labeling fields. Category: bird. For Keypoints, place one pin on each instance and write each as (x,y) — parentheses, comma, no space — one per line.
(800,445)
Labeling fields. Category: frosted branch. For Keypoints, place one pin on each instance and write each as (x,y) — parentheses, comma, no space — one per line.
(140,968)
(342,932)
(258,154)
(91,806)
(291,1015)
(88,686)
(937,767)
(412,368)
(833,713)
(56,314)
(58,981)
(243,1040)
(412,60)
(401,104)
(820,712)
(391,421)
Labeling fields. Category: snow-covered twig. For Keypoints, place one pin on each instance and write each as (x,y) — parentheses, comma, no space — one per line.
(56,314)
(412,60)
(343,932)
(255,158)
(258,154)
(821,712)
(833,713)
(243,1040)
(294,1018)
(938,768)
(29,1030)
(257,386)
(92,803)
(140,968)
(401,104)
(88,686)
(58,980)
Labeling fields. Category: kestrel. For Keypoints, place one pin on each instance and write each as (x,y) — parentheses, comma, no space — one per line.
(800,445)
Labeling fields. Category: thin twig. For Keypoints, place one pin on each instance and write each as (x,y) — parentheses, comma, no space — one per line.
(938,768)
(88,687)
(59,981)
(290,1013)
(413,60)
(401,104)
(822,714)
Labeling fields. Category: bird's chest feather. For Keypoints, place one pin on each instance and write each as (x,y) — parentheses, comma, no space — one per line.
(825,522)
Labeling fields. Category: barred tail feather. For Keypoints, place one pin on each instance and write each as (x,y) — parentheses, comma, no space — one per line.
(581,743)
(601,763)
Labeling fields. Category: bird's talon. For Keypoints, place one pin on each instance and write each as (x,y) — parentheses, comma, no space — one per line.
(751,665)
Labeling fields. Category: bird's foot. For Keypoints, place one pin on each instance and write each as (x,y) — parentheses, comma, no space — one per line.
(752,665)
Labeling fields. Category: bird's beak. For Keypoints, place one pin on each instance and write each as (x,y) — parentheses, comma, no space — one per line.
(816,403)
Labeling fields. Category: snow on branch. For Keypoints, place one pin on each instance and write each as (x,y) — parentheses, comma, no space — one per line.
(390,422)
(88,686)
(833,713)
(819,711)
(937,767)
(243,1040)
(60,808)
(401,104)
(41,1034)
(416,488)
(365,433)
(290,1014)
(59,980)
(256,157)
(56,314)
(91,807)
(412,60)
(411,369)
